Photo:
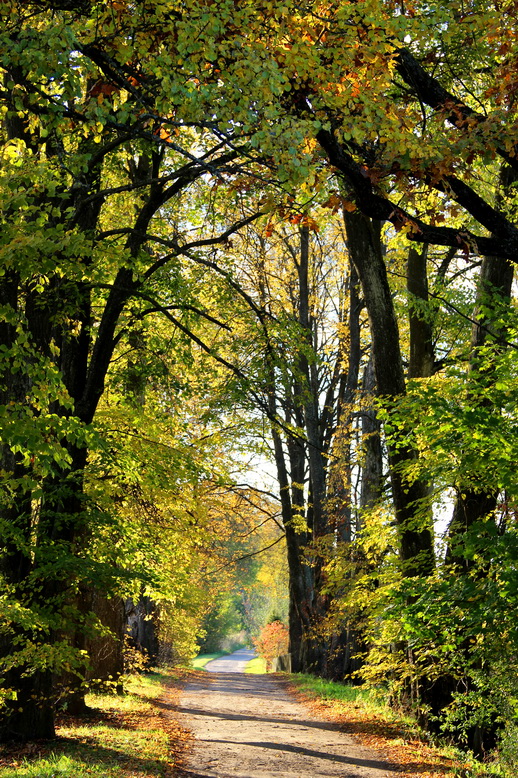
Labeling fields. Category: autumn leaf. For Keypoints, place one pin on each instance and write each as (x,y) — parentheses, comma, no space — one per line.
(102,88)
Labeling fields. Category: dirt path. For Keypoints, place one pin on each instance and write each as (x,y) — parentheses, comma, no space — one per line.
(231,663)
(248,726)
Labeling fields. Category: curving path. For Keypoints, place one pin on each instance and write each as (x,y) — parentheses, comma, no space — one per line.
(248,726)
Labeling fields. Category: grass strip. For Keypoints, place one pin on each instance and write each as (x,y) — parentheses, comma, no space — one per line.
(256,666)
(127,736)
(360,712)
(199,662)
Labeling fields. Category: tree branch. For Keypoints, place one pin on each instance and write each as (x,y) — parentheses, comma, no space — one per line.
(245,556)
(430,91)
(379,206)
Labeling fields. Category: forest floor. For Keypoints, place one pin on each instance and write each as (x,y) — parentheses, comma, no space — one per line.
(128,736)
(197,724)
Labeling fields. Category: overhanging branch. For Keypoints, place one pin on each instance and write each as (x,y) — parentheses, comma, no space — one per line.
(379,206)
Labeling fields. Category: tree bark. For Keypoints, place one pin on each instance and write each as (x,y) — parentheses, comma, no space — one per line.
(410,498)
(421,360)
(30,710)
(345,644)
(372,465)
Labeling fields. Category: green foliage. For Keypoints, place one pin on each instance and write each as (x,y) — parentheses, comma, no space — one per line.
(135,139)
(222,624)
(466,430)
(454,625)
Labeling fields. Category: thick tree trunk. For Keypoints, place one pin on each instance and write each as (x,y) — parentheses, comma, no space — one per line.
(28,713)
(341,465)
(410,498)
(141,620)
(31,715)
(372,465)
(46,580)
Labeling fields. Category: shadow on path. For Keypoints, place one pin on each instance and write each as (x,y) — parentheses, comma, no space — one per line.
(250,726)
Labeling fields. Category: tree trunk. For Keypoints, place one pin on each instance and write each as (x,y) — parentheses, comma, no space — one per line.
(372,466)
(141,620)
(342,652)
(421,360)
(410,498)
(28,713)
(300,582)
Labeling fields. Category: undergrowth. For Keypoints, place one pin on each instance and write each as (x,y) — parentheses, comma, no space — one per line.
(365,712)
(124,736)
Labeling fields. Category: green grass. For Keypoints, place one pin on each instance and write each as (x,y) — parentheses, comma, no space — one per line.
(257,666)
(341,697)
(124,738)
(54,767)
(331,690)
(201,660)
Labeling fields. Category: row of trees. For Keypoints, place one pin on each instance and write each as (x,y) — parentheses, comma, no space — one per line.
(296,216)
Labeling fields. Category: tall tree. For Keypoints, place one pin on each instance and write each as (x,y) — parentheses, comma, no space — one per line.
(93,190)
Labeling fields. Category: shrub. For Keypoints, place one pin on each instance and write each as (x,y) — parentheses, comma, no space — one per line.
(272,642)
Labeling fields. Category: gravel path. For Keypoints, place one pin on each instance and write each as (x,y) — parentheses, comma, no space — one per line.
(248,726)
(231,663)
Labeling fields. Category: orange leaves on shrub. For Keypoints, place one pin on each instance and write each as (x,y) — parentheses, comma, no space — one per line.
(272,641)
